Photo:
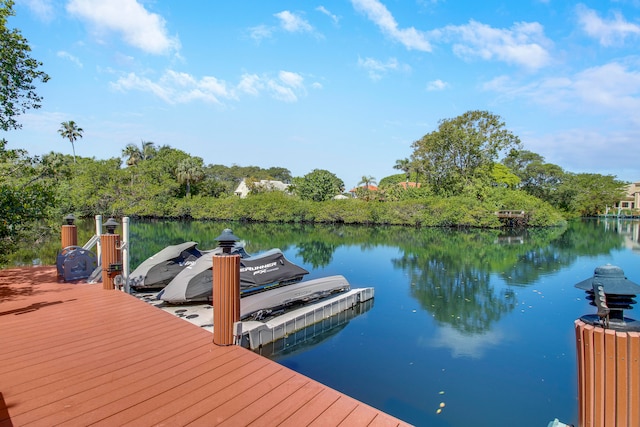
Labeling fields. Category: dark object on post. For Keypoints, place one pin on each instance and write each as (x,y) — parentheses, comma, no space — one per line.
(70,219)
(226,240)
(111,225)
(612,293)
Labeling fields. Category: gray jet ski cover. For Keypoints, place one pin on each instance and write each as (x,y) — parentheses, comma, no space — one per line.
(195,283)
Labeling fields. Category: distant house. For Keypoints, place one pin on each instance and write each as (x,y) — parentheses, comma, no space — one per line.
(410,184)
(632,199)
(369,187)
(362,190)
(243,189)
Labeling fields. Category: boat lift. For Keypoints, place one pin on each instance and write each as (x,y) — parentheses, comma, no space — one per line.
(255,334)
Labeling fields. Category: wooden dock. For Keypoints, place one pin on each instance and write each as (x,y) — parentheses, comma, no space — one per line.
(512,218)
(78,355)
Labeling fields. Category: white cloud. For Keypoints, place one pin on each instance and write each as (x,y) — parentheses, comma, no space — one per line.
(437,85)
(608,32)
(281,92)
(524,44)
(377,69)
(611,89)
(251,84)
(293,80)
(69,57)
(380,15)
(599,106)
(588,150)
(288,21)
(180,88)
(611,86)
(288,86)
(42,8)
(324,10)
(293,23)
(260,32)
(134,82)
(137,26)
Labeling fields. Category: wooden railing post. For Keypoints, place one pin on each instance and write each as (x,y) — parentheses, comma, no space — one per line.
(111,255)
(608,352)
(69,236)
(69,233)
(226,289)
(608,376)
(226,297)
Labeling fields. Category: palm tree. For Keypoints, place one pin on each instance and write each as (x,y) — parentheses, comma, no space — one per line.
(405,166)
(189,171)
(367,181)
(69,130)
(132,153)
(147,150)
(137,154)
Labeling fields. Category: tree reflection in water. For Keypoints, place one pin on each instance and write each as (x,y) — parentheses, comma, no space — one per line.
(451,272)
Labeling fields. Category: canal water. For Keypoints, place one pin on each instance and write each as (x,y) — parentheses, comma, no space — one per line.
(467,328)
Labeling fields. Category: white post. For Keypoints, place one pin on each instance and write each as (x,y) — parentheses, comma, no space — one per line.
(98,233)
(125,252)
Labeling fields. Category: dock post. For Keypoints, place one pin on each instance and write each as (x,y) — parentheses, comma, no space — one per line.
(608,352)
(111,255)
(69,232)
(226,290)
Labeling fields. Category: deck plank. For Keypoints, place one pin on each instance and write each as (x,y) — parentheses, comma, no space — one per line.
(284,410)
(312,409)
(336,413)
(75,354)
(173,395)
(212,396)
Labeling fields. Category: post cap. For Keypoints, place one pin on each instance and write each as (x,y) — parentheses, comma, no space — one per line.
(227,236)
(70,219)
(111,225)
(226,240)
(613,280)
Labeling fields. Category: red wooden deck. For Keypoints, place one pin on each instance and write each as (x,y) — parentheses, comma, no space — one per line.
(75,354)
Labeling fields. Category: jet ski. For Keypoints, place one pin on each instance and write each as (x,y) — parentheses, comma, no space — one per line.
(258,273)
(161,268)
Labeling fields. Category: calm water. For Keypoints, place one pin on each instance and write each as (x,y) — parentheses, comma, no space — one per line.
(481,321)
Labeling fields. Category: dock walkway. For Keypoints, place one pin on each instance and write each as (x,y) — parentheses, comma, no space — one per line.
(78,355)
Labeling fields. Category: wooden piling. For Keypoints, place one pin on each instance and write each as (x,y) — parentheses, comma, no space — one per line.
(226,297)
(608,376)
(110,255)
(69,236)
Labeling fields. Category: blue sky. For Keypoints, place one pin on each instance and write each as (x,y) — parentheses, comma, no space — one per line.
(345,86)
